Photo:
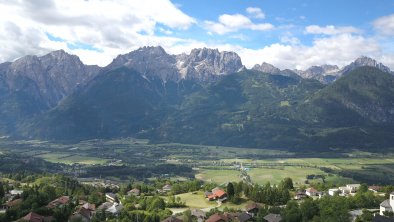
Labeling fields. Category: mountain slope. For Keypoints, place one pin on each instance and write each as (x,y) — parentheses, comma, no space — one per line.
(246,109)
(119,103)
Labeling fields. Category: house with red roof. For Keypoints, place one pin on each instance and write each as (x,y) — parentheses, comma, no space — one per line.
(217,194)
(61,201)
(34,217)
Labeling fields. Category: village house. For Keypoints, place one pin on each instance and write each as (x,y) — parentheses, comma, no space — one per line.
(374,189)
(252,209)
(199,214)
(11,204)
(387,205)
(243,217)
(217,218)
(348,189)
(167,188)
(333,191)
(59,202)
(217,194)
(172,219)
(299,195)
(16,192)
(115,208)
(311,192)
(353,188)
(110,197)
(134,192)
(34,217)
(273,218)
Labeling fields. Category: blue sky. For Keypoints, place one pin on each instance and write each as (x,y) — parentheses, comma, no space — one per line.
(286,33)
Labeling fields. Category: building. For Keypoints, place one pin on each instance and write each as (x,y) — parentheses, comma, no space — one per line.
(243,217)
(134,192)
(333,191)
(16,192)
(59,202)
(353,188)
(167,188)
(387,205)
(311,192)
(273,218)
(115,208)
(252,209)
(217,194)
(199,214)
(300,195)
(34,217)
(12,203)
(217,218)
(374,189)
(172,219)
(111,197)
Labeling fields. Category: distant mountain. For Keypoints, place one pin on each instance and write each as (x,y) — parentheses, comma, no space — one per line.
(55,75)
(206,64)
(266,68)
(205,97)
(151,62)
(325,73)
(364,61)
(32,85)
(201,64)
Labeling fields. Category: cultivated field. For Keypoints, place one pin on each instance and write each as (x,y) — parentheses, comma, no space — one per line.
(217,164)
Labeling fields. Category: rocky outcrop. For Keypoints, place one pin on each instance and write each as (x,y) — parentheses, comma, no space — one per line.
(266,68)
(201,64)
(56,75)
(206,64)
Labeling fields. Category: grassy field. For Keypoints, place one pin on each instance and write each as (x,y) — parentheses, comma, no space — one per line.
(274,170)
(218,176)
(71,159)
(215,163)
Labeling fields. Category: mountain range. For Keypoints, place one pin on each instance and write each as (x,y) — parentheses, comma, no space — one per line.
(205,97)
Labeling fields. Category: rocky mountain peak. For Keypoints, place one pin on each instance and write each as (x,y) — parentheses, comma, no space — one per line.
(365,61)
(266,68)
(150,61)
(55,75)
(201,64)
(207,64)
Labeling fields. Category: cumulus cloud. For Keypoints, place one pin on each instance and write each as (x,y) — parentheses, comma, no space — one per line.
(233,23)
(340,50)
(25,26)
(330,30)
(385,25)
(255,12)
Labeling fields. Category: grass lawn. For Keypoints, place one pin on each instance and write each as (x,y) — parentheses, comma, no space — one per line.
(196,200)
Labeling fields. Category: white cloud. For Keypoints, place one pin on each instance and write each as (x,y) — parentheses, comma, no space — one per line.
(255,12)
(385,25)
(114,27)
(233,23)
(340,50)
(330,30)
(290,39)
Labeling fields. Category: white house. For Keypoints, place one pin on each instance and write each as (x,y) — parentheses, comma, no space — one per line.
(353,187)
(387,205)
(311,192)
(333,191)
